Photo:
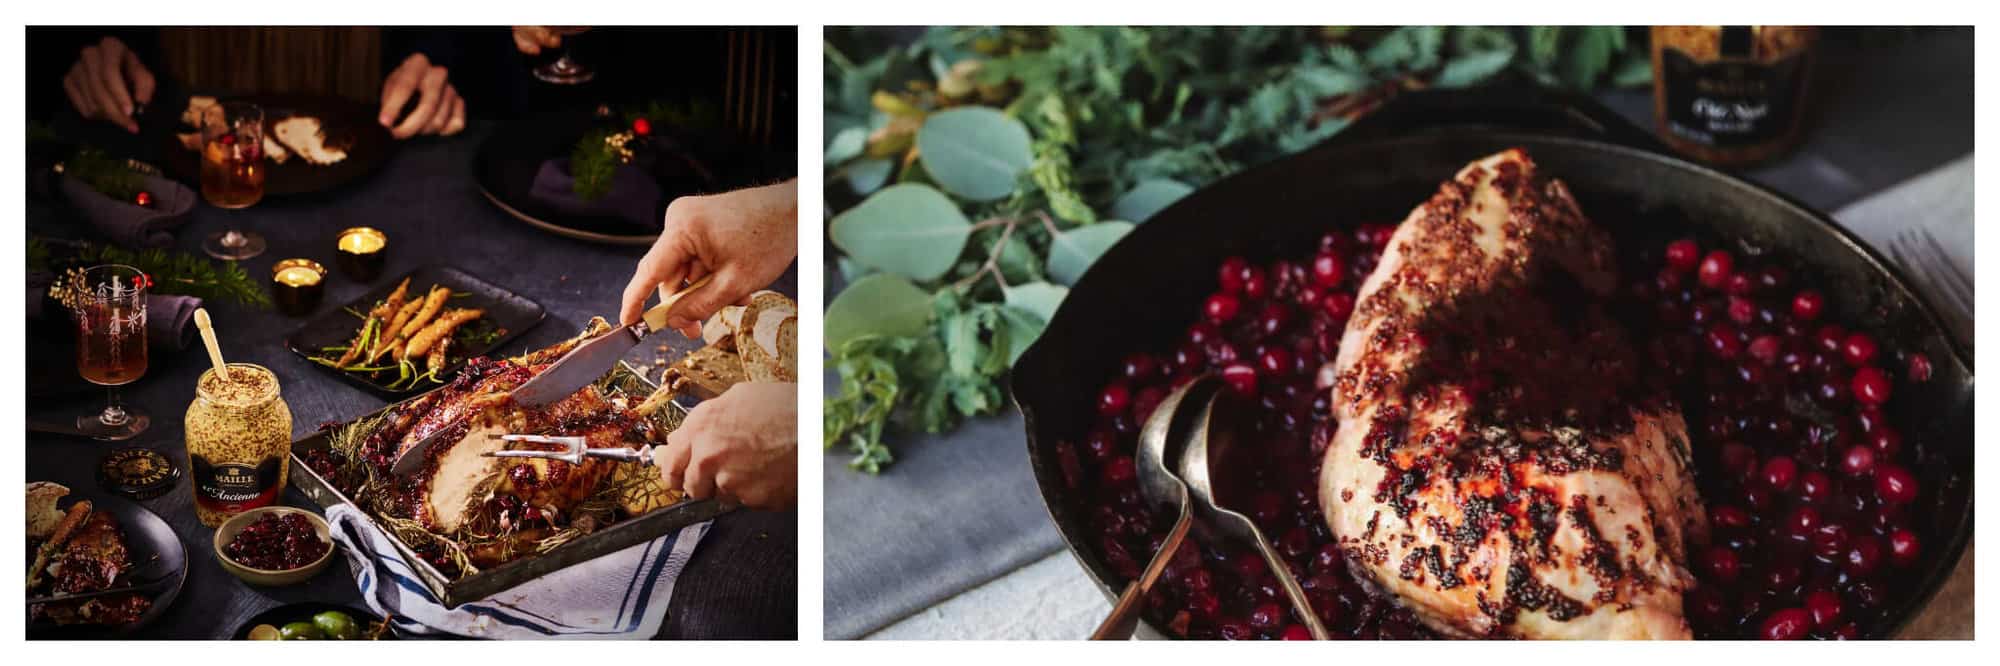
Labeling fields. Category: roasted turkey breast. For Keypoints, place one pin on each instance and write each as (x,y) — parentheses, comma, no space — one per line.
(1500,465)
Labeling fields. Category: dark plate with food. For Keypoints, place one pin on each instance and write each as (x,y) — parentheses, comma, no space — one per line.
(1509,370)
(413,333)
(315,621)
(313,143)
(91,543)
(676,159)
(474,525)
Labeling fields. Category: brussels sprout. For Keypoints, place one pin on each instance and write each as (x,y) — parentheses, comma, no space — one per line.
(300,631)
(336,625)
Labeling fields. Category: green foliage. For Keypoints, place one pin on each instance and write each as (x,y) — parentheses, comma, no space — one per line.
(173,272)
(1045,133)
(108,175)
(591,165)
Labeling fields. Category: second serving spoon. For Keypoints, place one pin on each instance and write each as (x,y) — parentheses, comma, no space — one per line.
(1161,440)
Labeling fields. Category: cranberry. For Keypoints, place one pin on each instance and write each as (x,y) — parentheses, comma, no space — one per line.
(1723,564)
(1115,398)
(1803,521)
(1815,487)
(1683,254)
(1723,341)
(1275,361)
(1779,472)
(1242,378)
(1788,624)
(1255,285)
(1338,305)
(1807,305)
(1846,632)
(1920,367)
(1296,632)
(1230,276)
(1329,269)
(1729,516)
(1714,270)
(1895,485)
(1234,630)
(1904,547)
(1202,333)
(1221,307)
(1858,462)
(1871,387)
(1765,348)
(1120,471)
(1859,349)
(1140,368)
(1864,555)
(1829,541)
(1273,320)
(1886,441)
(1742,310)
(1824,607)
(1267,617)
(1249,565)
(1829,338)
(1772,278)
(1738,285)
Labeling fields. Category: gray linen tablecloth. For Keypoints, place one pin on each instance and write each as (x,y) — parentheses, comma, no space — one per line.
(959,510)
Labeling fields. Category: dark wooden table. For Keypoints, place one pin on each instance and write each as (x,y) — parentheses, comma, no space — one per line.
(743,580)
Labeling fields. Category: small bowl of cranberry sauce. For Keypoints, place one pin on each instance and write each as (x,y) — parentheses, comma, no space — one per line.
(274,545)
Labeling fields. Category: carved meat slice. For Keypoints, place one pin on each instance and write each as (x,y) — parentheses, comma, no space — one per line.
(1500,466)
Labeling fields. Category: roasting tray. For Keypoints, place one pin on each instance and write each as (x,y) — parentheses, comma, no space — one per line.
(488,582)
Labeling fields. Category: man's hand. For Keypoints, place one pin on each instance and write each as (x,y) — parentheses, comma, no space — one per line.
(745,238)
(532,39)
(742,446)
(108,83)
(439,108)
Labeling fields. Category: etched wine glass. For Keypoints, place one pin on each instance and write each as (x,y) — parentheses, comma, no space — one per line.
(109,305)
(232,173)
(564,70)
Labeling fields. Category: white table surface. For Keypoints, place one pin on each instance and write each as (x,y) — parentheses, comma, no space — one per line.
(1053,599)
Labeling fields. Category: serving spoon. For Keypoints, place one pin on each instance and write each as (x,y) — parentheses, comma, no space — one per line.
(1194,469)
(1160,442)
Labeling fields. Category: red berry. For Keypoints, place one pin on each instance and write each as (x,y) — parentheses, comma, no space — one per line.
(1255,285)
(1779,472)
(1739,284)
(1683,254)
(1789,624)
(1296,632)
(1824,607)
(1859,349)
(1715,270)
(1871,387)
(1904,547)
(1804,520)
(228,139)
(1140,367)
(642,127)
(1338,306)
(1267,616)
(1742,310)
(1242,378)
(1815,487)
(1886,441)
(1895,485)
(143,198)
(1765,348)
(1858,461)
(1329,269)
(1723,565)
(1120,471)
(1863,556)
(1115,398)
(1729,517)
(1230,276)
(1221,308)
(1807,305)
(1276,361)
(1920,367)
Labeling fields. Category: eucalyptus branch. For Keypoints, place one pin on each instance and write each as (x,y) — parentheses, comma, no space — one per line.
(992,264)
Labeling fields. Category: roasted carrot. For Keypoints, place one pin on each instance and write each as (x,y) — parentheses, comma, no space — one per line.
(439,329)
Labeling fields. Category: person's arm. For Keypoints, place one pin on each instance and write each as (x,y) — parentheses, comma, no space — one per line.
(745,239)
(741,446)
(100,73)
(421,61)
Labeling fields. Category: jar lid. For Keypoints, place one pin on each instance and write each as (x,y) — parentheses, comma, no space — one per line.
(137,472)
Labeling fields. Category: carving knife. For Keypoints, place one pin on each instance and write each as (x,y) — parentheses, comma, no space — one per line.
(575,370)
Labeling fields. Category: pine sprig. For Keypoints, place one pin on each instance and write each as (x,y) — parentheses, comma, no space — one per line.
(591,165)
(110,177)
(173,272)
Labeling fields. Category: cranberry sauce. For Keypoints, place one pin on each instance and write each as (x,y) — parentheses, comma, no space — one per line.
(1805,480)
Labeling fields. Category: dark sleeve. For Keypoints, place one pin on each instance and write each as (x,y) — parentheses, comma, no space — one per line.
(53,50)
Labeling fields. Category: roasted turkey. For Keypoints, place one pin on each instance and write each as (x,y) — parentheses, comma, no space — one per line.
(1500,466)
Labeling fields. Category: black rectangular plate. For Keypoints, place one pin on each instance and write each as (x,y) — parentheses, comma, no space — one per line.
(488,582)
(508,310)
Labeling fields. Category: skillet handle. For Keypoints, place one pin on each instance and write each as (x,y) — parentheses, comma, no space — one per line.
(1518,108)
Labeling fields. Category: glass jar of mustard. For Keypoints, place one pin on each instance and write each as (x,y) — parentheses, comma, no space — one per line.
(1731,95)
(239,434)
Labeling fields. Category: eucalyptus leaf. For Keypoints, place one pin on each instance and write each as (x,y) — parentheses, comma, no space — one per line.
(1072,251)
(877,305)
(846,145)
(1037,298)
(909,230)
(1147,198)
(1470,69)
(866,176)
(1589,55)
(975,152)
(1023,328)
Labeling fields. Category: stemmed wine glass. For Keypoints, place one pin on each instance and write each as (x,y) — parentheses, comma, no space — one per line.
(109,305)
(564,70)
(232,173)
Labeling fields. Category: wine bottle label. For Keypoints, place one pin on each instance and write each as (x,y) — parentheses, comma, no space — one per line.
(232,486)
(1729,103)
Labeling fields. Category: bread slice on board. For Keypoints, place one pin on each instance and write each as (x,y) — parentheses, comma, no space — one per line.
(43,515)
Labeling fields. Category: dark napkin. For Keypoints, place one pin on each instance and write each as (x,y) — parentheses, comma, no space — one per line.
(169,318)
(633,198)
(129,224)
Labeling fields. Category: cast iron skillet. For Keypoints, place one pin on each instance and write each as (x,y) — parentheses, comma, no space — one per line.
(1143,292)
(154,551)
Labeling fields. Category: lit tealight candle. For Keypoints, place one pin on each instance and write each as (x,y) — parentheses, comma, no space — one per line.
(362,252)
(296,285)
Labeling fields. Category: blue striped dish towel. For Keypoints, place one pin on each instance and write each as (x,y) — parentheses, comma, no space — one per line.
(621,595)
